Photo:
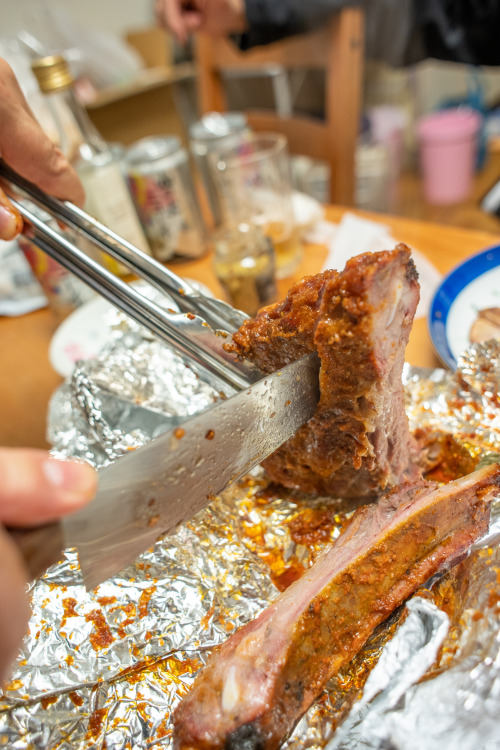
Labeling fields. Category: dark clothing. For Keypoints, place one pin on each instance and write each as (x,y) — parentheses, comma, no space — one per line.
(463,31)
(271,20)
(389,24)
(398,32)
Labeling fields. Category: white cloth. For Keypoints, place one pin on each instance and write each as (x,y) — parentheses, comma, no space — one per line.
(354,235)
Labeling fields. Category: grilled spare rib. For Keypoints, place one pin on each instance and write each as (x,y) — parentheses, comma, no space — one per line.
(256,687)
(358,321)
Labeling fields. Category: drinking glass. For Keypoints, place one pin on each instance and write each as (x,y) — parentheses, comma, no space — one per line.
(244,263)
(207,136)
(254,184)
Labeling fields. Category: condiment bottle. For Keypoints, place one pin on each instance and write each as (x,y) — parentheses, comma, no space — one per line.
(244,263)
(99,168)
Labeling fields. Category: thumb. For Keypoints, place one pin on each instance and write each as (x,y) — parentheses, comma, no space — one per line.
(36,488)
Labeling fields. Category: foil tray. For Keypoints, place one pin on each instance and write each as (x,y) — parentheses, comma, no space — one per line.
(105,669)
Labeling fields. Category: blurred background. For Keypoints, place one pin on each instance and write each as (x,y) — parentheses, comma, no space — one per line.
(135,81)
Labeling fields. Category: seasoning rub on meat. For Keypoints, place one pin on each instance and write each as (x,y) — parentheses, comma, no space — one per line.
(358,442)
(256,687)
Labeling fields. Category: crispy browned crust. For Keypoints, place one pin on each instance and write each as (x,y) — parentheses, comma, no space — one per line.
(282,333)
(359,322)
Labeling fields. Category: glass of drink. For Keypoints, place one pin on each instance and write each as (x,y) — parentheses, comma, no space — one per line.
(213,132)
(244,263)
(254,183)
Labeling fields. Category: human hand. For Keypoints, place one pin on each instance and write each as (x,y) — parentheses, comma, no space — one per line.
(11,223)
(34,489)
(217,17)
(27,149)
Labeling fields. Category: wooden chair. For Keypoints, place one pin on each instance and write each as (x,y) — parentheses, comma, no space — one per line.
(338,49)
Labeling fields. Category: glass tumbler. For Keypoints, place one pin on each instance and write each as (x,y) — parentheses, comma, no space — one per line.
(254,184)
(244,263)
(207,136)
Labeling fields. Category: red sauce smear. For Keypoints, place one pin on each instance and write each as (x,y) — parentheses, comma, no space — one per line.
(69,605)
(493,599)
(144,600)
(102,636)
(75,698)
(205,620)
(105,600)
(48,701)
(95,722)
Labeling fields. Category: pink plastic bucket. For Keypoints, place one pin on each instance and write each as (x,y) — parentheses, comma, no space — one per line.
(448,146)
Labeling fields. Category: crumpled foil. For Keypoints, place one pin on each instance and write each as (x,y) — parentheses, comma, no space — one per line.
(105,669)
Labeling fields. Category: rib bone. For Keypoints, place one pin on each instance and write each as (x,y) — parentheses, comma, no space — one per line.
(253,691)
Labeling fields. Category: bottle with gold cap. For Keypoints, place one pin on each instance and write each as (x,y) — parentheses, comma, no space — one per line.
(108,196)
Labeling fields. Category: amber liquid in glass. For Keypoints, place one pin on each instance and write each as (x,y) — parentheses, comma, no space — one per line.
(287,247)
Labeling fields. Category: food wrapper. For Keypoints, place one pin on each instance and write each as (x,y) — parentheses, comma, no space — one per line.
(105,669)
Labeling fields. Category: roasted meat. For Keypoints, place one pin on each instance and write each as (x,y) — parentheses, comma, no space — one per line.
(359,321)
(486,325)
(256,687)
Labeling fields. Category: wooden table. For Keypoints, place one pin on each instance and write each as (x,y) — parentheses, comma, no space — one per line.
(27,379)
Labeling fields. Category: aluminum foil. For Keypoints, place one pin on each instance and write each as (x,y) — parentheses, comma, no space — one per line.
(105,669)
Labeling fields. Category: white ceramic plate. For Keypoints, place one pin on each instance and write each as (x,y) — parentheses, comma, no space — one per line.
(469,289)
(83,334)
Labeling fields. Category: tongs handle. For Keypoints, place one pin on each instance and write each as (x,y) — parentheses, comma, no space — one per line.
(216,313)
(185,333)
(168,326)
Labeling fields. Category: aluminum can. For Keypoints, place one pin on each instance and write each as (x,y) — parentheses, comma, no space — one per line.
(157,169)
(64,291)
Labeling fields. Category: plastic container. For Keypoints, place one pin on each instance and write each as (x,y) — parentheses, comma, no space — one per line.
(448,146)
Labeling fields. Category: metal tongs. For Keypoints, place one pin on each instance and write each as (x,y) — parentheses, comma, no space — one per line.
(197,332)
(153,489)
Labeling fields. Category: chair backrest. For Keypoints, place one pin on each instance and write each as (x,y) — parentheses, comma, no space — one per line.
(338,49)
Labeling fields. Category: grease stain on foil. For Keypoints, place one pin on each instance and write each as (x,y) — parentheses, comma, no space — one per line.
(107,668)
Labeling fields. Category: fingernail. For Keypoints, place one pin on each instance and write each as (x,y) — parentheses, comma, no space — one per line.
(76,480)
(8,224)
